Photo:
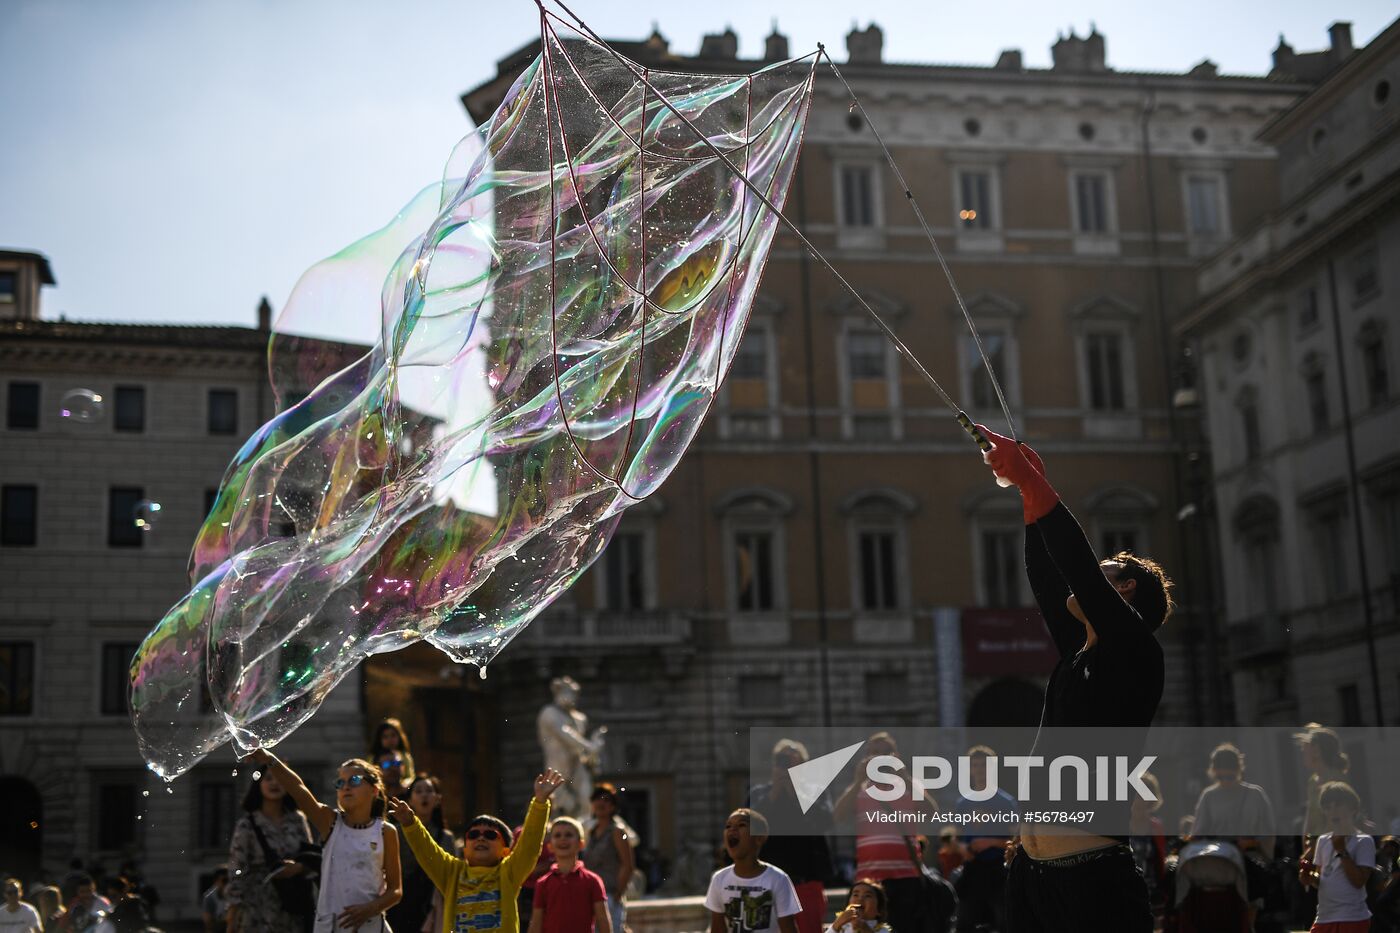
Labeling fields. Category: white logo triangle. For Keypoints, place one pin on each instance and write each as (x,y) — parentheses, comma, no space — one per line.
(811,778)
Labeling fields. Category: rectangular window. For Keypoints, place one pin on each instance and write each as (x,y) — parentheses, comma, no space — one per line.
(1249,425)
(886,689)
(1307,308)
(1330,549)
(129,409)
(753,571)
(223,411)
(983,394)
(1316,382)
(857,196)
(9,286)
(975,209)
(624,572)
(1203,206)
(1376,371)
(1365,275)
(22,406)
(761,691)
(16,678)
(19,516)
(115,810)
(1091,200)
(1261,568)
(116,676)
(878,589)
(751,359)
(867,355)
(1104,357)
(1388,512)
(1349,698)
(1003,566)
(122,530)
(214,814)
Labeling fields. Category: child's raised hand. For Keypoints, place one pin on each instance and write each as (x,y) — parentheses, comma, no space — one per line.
(258,756)
(547,783)
(401,811)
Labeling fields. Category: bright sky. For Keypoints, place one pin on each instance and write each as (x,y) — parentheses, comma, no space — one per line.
(177,160)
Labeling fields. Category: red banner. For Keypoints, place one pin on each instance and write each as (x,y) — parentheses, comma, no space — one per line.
(1006,641)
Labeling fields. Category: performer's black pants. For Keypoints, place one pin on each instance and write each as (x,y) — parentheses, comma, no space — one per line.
(1094,892)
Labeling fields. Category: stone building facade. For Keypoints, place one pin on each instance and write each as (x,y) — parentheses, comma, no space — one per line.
(154,414)
(832,549)
(1295,336)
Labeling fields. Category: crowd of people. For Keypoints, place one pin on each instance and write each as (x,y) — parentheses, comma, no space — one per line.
(376,854)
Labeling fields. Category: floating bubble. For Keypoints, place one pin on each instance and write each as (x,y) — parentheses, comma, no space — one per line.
(546,328)
(81,406)
(145,514)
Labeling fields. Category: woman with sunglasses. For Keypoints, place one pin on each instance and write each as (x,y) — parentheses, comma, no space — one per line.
(360,877)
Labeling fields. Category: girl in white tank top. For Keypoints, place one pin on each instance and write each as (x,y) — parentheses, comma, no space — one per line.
(360,876)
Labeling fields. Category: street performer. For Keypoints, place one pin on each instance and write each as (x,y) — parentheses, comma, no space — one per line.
(1103,617)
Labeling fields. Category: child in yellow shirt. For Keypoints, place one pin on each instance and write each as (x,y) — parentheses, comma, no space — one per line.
(480,890)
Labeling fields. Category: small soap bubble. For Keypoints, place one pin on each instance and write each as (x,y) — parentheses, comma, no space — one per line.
(145,514)
(145,793)
(81,406)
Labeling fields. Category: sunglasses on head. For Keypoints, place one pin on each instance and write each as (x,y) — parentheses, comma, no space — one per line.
(355,780)
(490,835)
(391,763)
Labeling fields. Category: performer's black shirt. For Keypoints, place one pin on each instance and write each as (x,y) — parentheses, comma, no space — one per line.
(1115,683)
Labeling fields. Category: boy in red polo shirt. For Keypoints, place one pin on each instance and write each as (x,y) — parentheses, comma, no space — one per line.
(569,898)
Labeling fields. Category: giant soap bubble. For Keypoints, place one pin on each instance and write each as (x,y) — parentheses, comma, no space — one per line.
(469,398)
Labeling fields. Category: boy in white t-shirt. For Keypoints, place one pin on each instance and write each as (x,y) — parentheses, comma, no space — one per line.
(1339,864)
(15,915)
(750,896)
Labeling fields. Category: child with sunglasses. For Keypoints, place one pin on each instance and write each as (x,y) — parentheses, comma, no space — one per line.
(482,887)
(360,876)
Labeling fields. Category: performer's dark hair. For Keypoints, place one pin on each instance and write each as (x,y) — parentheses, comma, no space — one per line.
(1153,597)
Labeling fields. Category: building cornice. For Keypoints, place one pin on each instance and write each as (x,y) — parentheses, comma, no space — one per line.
(1277,262)
(1340,82)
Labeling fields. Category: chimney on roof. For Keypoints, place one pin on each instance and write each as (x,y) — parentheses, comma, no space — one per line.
(723,45)
(1080,56)
(658,44)
(1283,56)
(1340,34)
(1010,60)
(1206,69)
(865,46)
(22,276)
(264,315)
(775,47)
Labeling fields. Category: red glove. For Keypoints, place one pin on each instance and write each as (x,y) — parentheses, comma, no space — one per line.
(1022,466)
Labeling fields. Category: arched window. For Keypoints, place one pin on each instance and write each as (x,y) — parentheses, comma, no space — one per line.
(625,575)
(998,545)
(1120,516)
(996,318)
(755,549)
(878,547)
